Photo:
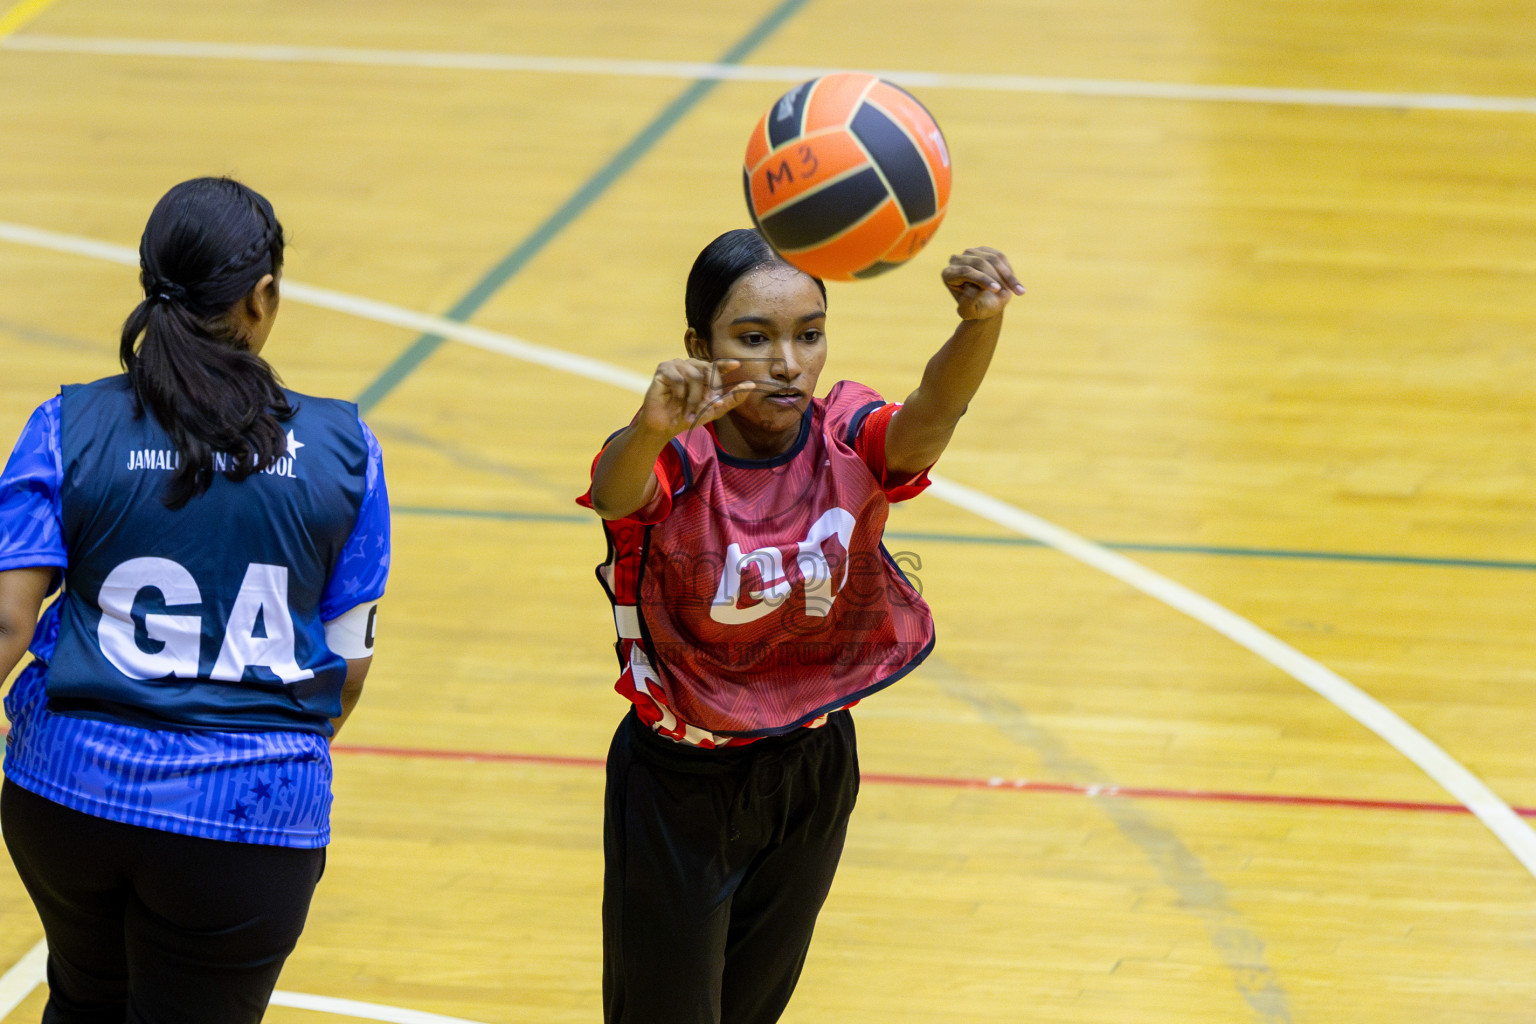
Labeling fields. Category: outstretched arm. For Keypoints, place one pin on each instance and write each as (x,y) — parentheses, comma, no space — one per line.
(982,282)
(683,394)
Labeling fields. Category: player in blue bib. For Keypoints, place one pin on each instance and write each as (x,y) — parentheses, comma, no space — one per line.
(219,546)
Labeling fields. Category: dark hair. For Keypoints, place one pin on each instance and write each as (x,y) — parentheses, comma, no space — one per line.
(719,266)
(208,243)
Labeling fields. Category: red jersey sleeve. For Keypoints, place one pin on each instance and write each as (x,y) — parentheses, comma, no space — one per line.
(870,444)
(669,475)
(858,417)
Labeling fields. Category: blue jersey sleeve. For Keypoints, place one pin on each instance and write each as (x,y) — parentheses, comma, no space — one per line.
(31,516)
(363,568)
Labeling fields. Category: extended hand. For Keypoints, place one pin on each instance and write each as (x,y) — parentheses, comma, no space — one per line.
(982,282)
(687,393)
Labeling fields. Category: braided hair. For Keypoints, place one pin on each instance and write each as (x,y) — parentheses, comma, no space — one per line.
(208,243)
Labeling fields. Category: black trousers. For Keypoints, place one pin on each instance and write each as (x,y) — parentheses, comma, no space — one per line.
(716,865)
(147,927)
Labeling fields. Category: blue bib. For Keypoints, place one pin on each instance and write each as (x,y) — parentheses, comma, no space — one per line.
(207,616)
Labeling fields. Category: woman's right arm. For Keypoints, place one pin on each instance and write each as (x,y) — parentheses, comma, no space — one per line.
(21,599)
(684,393)
(31,533)
(624,479)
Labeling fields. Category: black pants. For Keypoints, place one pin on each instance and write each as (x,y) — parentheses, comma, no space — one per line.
(716,865)
(147,927)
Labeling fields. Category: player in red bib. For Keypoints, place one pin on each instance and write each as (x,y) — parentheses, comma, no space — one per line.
(755,603)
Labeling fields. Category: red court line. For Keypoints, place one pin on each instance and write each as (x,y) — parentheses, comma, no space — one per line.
(1017,785)
(1093,791)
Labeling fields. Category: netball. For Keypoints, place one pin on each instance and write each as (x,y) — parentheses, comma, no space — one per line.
(847,176)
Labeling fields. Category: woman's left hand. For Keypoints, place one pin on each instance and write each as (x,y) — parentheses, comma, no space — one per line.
(982,282)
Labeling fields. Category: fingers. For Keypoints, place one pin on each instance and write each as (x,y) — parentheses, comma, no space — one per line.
(679,389)
(738,394)
(983,268)
(721,404)
(695,389)
(1004,271)
(670,385)
(687,393)
(982,281)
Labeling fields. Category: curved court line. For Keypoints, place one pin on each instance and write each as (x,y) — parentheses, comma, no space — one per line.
(719,72)
(1454,777)
(1445,770)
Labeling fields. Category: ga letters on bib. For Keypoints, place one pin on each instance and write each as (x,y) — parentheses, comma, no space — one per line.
(753,597)
(209,616)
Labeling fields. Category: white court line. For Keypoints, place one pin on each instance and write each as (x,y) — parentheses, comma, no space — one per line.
(1470,791)
(25,975)
(362,1011)
(1083,87)
(366,309)
(1445,770)
(31,971)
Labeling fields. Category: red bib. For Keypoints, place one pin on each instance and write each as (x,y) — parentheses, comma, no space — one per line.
(754,597)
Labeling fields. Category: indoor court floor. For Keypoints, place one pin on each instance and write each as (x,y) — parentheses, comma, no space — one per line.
(1231,716)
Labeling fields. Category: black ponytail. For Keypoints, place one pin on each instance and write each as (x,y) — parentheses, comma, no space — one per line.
(208,243)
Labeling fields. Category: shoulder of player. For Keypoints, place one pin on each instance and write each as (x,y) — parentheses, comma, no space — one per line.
(846,406)
(848,395)
(299,399)
(106,387)
(338,413)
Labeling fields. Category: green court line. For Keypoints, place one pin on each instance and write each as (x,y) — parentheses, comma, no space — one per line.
(407,362)
(1025,542)
(497,514)
(1330,556)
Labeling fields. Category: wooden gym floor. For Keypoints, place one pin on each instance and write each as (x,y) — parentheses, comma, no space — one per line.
(1204,756)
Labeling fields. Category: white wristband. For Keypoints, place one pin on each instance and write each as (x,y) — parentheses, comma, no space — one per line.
(351,633)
